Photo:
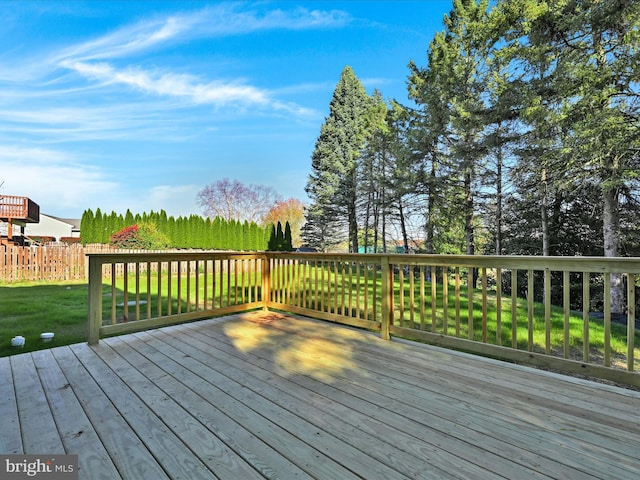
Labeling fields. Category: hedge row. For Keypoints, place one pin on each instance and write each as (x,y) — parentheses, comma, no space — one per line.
(183,232)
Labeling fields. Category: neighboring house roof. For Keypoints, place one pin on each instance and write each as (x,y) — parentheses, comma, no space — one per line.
(74,222)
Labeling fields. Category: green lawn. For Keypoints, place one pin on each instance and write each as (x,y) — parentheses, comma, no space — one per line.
(31,309)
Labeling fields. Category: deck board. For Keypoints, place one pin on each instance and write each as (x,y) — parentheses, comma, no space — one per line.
(74,427)
(11,439)
(265,395)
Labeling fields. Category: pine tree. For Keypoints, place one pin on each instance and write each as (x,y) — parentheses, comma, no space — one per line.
(287,242)
(332,185)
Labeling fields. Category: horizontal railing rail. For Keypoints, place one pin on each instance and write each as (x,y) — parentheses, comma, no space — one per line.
(554,312)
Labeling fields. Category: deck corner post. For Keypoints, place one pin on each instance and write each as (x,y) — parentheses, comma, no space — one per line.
(266,281)
(387,297)
(95,299)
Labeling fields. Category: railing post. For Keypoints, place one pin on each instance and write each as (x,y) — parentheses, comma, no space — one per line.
(95,299)
(266,282)
(387,298)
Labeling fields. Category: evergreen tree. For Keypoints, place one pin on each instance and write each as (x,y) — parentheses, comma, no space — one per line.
(332,185)
(216,232)
(87,227)
(272,239)
(287,243)
(279,241)
(245,243)
(129,219)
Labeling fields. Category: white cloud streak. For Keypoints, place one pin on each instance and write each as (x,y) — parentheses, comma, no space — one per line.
(50,177)
(171,84)
(96,60)
(217,21)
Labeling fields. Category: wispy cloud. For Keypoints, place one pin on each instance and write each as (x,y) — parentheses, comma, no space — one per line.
(50,176)
(98,60)
(210,22)
(172,84)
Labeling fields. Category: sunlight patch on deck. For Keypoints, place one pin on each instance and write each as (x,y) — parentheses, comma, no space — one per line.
(294,349)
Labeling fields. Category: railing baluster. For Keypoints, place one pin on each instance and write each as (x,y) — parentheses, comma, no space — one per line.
(401,320)
(197,275)
(484,305)
(498,306)
(337,298)
(350,304)
(434,298)
(445,300)
(470,303)
(137,290)
(607,320)
(342,288)
(586,306)
(514,308)
(205,285)
(148,290)
(566,305)
(457,274)
(360,267)
(631,319)
(547,311)
(530,295)
(114,293)
(159,301)
(366,292)
(125,309)
(169,287)
(228,264)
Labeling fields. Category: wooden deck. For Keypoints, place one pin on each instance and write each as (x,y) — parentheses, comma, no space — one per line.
(263,395)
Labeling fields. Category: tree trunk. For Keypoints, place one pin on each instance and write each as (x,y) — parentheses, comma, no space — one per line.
(544,214)
(611,232)
(353,228)
(499,201)
(403,227)
(468,222)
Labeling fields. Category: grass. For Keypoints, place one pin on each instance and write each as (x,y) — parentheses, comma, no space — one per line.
(29,309)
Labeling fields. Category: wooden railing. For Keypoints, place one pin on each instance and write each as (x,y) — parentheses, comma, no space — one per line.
(152,289)
(19,208)
(461,302)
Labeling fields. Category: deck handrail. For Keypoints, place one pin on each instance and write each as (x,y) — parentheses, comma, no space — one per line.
(393,294)
(19,208)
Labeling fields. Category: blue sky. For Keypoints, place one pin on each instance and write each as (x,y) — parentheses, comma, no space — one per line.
(139,105)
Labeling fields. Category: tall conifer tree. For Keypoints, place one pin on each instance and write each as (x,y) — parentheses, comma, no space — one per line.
(332,184)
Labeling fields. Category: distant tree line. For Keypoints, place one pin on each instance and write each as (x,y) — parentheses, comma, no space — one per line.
(157,230)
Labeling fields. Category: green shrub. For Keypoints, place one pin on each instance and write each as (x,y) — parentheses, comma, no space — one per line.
(144,236)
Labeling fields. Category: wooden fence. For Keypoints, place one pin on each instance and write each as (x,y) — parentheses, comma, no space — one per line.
(516,308)
(55,262)
(46,263)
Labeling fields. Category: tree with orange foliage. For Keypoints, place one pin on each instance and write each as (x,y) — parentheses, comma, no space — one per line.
(290,210)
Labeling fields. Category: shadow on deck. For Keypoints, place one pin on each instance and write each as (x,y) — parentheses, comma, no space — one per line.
(266,395)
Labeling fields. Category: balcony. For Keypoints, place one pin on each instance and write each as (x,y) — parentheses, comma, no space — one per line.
(18,209)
